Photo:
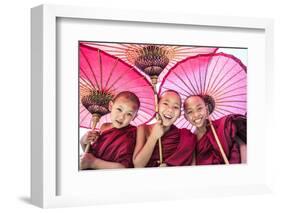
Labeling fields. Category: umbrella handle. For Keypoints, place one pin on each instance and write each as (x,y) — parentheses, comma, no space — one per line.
(159,144)
(160,151)
(87,149)
(154,82)
(218,143)
(95,120)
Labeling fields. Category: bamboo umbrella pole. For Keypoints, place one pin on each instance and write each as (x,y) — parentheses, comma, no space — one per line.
(218,143)
(95,120)
(154,82)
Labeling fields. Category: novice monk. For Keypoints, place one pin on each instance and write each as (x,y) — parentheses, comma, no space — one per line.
(177,144)
(114,147)
(231,131)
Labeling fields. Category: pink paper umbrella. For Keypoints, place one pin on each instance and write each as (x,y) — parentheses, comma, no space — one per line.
(103,76)
(159,61)
(220,78)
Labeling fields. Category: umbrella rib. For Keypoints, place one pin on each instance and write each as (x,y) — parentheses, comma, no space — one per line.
(228,80)
(120,77)
(110,73)
(88,78)
(192,91)
(84,89)
(221,92)
(205,79)
(200,77)
(128,46)
(141,86)
(233,89)
(147,110)
(146,98)
(116,52)
(103,45)
(184,95)
(181,81)
(231,96)
(136,79)
(86,115)
(145,114)
(137,120)
(84,83)
(100,63)
(140,115)
(231,106)
(147,103)
(231,101)
(223,76)
(178,87)
(212,72)
(218,73)
(139,95)
(218,113)
(181,122)
(222,112)
(90,69)
(194,77)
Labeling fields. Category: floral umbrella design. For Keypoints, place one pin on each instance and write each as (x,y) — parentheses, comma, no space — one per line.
(103,76)
(220,78)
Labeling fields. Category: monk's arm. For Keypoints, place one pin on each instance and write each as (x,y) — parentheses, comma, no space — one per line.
(83,142)
(89,161)
(89,138)
(144,148)
(98,163)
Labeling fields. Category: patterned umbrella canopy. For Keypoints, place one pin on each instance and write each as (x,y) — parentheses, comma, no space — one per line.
(220,78)
(103,76)
(155,59)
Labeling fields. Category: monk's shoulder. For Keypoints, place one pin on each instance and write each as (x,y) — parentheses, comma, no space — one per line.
(185,131)
(144,129)
(105,126)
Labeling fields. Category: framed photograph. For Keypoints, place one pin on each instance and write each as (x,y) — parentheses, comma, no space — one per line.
(85,59)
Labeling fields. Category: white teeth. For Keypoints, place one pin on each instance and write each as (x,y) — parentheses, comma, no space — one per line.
(168,116)
(197,121)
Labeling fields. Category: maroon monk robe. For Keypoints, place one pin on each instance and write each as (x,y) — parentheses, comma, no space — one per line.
(177,146)
(116,145)
(227,129)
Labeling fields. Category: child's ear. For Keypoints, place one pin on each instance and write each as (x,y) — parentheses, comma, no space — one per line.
(110,105)
(207,110)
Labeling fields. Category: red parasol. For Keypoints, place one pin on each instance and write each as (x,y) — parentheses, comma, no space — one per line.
(129,53)
(220,78)
(103,76)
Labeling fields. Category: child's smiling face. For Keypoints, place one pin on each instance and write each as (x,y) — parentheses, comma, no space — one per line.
(169,108)
(195,111)
(123,111)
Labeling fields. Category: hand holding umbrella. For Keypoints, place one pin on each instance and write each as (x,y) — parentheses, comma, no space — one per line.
(97,104)
(103,76)
(221,80)
(152,60)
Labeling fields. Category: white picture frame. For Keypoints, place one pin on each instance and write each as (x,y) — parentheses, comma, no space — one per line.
(45,152)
